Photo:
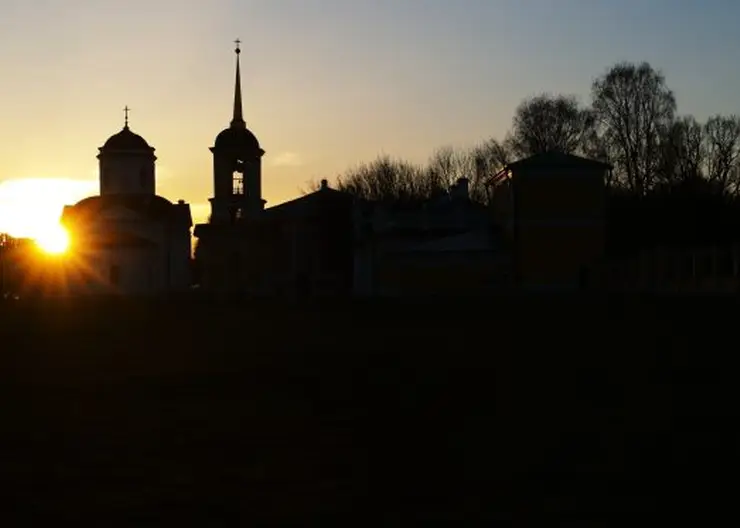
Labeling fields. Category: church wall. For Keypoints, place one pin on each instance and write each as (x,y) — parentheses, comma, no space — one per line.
(127,174)
(127,271)
(166,266)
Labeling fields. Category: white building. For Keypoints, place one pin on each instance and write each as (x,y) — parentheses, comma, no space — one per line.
(128,240)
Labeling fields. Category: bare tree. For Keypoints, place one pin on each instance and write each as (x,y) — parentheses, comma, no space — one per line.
(634,109)
(682,151)
(548,123)
(384,179)
(450,164)
(722,144)
(489,158)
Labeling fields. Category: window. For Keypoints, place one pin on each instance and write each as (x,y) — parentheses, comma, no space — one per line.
(114,275)
(237,183)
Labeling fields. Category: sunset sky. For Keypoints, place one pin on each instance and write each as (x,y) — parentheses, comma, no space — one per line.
(327,83)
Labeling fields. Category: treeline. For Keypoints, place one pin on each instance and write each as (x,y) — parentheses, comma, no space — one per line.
(631,122)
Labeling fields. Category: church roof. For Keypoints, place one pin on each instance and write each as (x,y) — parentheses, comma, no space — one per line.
(126,140)
(237,139)
(151,206)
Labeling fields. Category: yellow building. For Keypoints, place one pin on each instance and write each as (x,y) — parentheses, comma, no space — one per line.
(552,206)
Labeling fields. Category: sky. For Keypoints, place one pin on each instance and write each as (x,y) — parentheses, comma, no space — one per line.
(327,84)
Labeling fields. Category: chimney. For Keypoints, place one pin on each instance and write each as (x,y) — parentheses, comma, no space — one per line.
(324,184)
(180,202)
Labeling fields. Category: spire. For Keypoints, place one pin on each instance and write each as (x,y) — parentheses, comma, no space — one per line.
(237,121)
(126,110)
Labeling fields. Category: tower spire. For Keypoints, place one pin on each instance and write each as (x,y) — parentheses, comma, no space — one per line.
(126,110)
(237,121)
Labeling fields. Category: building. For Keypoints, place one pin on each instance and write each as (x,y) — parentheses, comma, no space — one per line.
(552,208)
(231,253)
(312,243)
(128,240)
(302,246)
(446,245)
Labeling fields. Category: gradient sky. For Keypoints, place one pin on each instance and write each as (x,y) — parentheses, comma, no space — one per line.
(327,83)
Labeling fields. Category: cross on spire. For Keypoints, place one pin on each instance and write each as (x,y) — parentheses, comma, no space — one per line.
(237,121)
(126,110)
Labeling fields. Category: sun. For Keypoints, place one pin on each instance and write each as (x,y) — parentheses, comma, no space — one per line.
(31,208)
(54,240)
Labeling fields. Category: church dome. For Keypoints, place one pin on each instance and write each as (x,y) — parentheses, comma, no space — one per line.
(237,138)
(126,140)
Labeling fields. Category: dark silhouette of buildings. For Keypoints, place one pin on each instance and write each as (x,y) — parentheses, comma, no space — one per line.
(128,240)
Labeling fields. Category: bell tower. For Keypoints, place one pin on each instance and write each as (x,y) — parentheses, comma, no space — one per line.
(237,166)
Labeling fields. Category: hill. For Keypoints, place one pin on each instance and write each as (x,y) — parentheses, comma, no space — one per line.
(203,412)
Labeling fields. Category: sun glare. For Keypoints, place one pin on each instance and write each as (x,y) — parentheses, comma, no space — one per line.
(54,241)
(32,207)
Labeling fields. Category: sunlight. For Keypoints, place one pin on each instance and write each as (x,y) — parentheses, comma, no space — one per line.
(55,241)
(32,207)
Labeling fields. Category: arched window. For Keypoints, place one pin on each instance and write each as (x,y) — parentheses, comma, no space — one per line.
(237,188)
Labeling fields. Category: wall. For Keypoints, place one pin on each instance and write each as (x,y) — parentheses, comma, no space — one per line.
(127,173)
(163,267)
(558,224)
(141,271)
(443,273)
(684,270)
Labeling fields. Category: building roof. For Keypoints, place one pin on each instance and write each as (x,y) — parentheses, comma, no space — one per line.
(126,140)
(557,159)
(237,139)
(148,205)
(309,203)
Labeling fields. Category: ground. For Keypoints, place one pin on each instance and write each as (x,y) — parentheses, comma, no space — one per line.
(203,413)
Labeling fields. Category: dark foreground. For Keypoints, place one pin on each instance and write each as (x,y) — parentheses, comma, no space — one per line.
(207,414)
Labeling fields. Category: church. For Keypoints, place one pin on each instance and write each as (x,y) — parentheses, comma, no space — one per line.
(128,240)
(303,246)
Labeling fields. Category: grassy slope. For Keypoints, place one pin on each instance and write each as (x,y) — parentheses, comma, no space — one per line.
(462,409)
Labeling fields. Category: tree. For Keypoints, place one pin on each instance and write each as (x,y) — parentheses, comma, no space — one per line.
(384,179)
(634,109)
(494,154)
(547,123)
(682,152)
(722,143)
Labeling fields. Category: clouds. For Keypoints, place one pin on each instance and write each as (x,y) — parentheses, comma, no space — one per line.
(287,159)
